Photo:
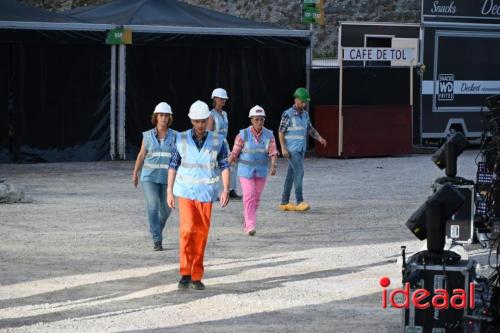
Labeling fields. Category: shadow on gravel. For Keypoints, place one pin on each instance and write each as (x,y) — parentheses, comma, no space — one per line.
(118,288)
(355,315)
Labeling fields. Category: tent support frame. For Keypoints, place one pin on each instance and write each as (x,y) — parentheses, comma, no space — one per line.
(121,101)
(112,105)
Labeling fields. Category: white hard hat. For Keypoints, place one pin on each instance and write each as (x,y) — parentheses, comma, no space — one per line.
(163,107)
(199,110)
(219,92)
(256,111)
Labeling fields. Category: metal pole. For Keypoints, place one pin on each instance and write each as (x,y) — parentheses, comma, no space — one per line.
(341,125)
(309,51)
(411,83)
(411,94)
(421,76)
(308,70)
(121,101)
(112,105)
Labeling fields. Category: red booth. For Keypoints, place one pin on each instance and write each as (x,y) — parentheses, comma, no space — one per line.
(367,130)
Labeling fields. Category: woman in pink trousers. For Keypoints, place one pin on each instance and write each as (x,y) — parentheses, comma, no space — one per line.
(253,147)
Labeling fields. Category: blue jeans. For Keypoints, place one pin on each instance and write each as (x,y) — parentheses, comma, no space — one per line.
(233,184)
(294,176)
(157,208)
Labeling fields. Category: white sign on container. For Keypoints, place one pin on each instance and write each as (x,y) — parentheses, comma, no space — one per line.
(377,54)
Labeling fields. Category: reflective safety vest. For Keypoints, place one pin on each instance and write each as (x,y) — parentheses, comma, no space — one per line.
(155,167)
(198,177)
(221,123)
(254,158)
(296,134)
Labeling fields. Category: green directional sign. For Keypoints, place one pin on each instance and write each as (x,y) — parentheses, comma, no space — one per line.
(119,36)
(313,11)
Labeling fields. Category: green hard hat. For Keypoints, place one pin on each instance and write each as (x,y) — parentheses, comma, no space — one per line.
(302,94)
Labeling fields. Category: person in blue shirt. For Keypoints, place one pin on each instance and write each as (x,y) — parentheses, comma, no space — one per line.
(153,159)
(294,127)
(198,161)
(218,123)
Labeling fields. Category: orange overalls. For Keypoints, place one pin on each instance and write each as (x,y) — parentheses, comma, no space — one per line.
(194,224)
(196,187)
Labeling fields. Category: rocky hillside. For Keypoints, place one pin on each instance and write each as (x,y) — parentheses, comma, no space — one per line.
(287,13)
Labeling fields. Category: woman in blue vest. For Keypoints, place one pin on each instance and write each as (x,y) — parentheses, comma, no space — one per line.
(218,123)
(254,146)
(154,159)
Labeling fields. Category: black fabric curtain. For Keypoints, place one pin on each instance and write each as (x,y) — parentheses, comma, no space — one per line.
(52,36)
(222,41)
(60,102)
(180,75)
(58,83)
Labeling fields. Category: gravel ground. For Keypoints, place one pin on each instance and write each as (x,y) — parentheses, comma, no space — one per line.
(80,259)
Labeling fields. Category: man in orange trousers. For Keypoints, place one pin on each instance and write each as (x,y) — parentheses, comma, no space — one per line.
(193,178)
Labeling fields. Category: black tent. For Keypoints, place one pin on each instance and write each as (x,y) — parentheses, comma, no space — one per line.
(15,11)
(165,13)
(54,87)
(179,54)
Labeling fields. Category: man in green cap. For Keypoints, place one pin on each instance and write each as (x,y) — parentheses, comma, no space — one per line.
(294,127)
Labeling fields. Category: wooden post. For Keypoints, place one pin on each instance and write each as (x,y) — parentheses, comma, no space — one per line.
(411,93)
(341,125)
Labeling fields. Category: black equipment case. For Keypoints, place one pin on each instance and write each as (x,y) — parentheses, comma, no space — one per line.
(431,277)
